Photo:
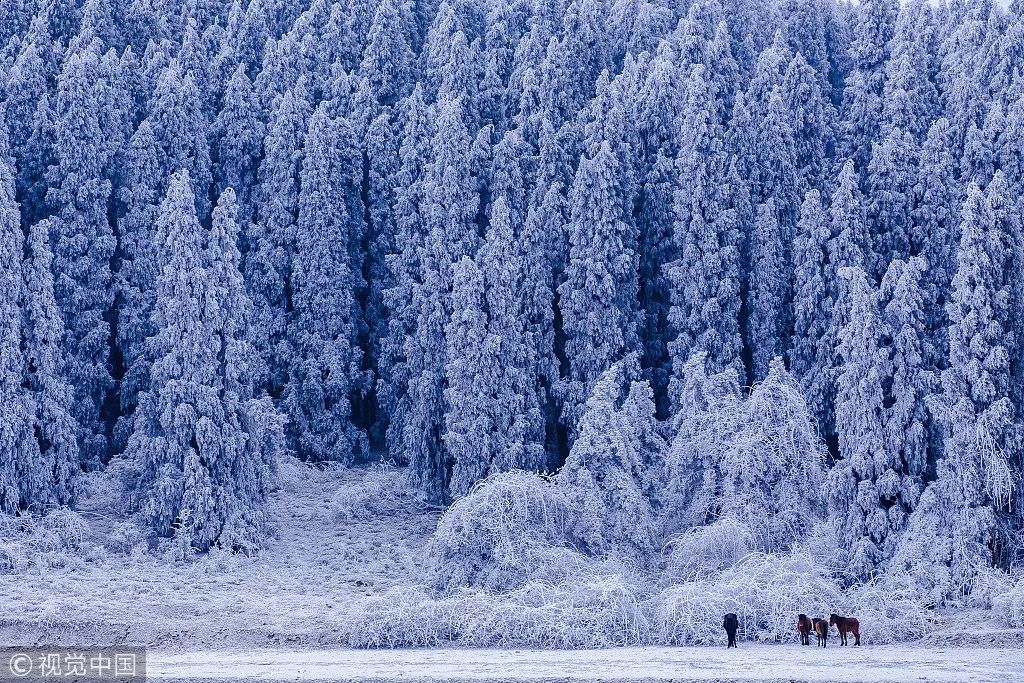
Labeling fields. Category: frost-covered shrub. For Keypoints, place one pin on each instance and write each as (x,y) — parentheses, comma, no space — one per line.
(597,610)
(887,613)
(756,458)
(705,549)
(61,529)
(381,493)
(510,526)
(125,537)
(1008,606)
(12,557)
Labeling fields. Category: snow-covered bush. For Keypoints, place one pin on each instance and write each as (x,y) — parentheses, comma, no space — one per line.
(765,591)
(51,540)
(1008,606)
(596,610)
(125,537)
(13,558)
(705,549)
(61,529)
(755,458)
(887,612)
(381,493)
(510,526)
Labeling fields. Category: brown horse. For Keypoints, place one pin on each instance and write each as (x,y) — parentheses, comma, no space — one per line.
(803,624)
(845,626)
(821,630)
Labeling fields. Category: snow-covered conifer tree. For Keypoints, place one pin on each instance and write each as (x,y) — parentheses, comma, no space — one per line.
(705,279)
(935,224)
(611,469)
(180,128)
(890,199)
(388,60)
(323,328)
(875,27)
(912,380)
(403,271)
(509,264)
(448,210)
(83,242)
(955,530)
(203,446)
(237,135)
(769,324)
(597,299)
(812,351)
(473,375)
(855,498)
(812,122)
(54,426)
(138,203)
(271,235)
(23,476)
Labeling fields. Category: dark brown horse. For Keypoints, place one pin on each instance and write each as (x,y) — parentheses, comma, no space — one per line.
(821,630)
(803,624)
(731,624)
(845,626)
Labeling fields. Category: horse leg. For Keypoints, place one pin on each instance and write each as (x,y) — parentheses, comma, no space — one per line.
(856,637)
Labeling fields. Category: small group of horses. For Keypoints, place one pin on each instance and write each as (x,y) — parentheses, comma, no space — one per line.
(804,624)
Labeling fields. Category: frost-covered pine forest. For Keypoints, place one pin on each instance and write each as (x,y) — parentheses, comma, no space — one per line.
(694,291)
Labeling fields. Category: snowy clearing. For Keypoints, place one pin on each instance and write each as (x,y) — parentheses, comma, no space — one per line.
(748,663)
(296,592)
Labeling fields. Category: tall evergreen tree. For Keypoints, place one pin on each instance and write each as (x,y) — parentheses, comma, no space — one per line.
(890,199)
(607,473)
(769,315)
(870,50)
(138,268)
(84,243)
(448,210)
(473,374)
(912,380)
(388,60)
(705,278)
(33,473)
(237,135)
(271,235)
(956,529)
(203,446)
(854,493)
(597,299)
(812,351)
(323,328)
(180,128)
(935,224)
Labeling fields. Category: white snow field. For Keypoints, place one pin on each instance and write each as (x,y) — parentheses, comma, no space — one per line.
(880,664)
(295,592)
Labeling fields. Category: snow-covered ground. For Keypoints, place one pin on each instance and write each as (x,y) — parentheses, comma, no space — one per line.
(296,592)
(282,616)
(748,663)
